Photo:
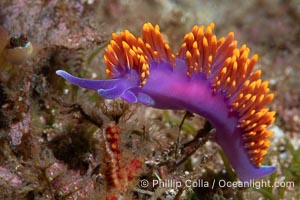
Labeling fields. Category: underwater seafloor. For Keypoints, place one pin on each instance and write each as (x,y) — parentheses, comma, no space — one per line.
(54,136)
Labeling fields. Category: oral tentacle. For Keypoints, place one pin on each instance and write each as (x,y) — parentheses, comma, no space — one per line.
(85,83)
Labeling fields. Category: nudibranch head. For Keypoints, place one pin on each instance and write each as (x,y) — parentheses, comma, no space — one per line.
(208,76)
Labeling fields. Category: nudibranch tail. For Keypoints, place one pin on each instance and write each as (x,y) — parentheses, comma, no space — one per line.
(208,76)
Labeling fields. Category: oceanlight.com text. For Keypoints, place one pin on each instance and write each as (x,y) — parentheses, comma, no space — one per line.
(173,183)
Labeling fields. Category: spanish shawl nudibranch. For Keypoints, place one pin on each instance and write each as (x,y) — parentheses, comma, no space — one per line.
(210,77)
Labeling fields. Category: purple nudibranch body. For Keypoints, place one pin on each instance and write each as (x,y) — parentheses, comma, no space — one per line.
(208,77)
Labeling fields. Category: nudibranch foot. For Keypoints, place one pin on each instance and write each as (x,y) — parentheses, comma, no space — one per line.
(208,76)
(239,159)
(255,173)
